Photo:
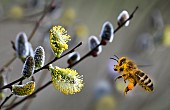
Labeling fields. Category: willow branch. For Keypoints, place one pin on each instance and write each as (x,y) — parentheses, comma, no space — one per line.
(30,37)
(120,26)
(40,20)
(44,67)
(38,85)
(85,56)
(6,99)
(22,100)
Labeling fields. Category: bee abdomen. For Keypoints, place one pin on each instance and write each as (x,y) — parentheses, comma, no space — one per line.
(144,81)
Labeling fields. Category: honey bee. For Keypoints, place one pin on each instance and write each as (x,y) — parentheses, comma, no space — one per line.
(130,71)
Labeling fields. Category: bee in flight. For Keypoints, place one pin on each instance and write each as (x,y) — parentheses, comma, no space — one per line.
(130,71)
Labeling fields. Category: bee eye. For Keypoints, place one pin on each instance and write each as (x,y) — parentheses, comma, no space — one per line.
(121,69)
(122,61)
(115,69)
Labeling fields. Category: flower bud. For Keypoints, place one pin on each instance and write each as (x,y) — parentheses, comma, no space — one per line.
(23,90)
(123,16)
(28,67)
(73,57)
(93,42)
(39,57)
(107,33)
(67,81)
(21,44)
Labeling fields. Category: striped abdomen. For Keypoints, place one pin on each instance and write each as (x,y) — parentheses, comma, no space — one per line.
(144,81)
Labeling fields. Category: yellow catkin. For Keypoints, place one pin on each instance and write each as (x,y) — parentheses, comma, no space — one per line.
(58,40)
(23,90)
(67,81)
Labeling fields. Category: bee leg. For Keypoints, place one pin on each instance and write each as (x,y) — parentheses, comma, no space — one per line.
(124,75)
(130,87)
(118,77)
(126,90)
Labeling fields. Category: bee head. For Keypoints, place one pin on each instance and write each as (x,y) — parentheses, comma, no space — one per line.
(121,61)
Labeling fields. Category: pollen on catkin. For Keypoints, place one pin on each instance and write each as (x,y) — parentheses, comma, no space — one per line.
(58,39)
(23,90)
(67,81)
(39,57)
(28,67)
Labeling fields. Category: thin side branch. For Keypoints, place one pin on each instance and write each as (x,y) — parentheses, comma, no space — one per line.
(6,99)
(44,67)
(130,17)
(55,59)
(7,64)
(40,20)
(89,53)
(32,95)
(30,37)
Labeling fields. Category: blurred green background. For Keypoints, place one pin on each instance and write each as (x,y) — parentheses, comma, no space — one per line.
(145,41)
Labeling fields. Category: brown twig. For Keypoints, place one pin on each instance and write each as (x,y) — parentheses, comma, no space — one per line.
(56,58)
(44,67)
(89,53)
(6,99)
(22,100)
(40,20)
(7,64)
(39,83)
(13,59)
(30,37)
(85,56)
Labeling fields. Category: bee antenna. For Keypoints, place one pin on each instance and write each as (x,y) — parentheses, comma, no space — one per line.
(114,59)
(116,56)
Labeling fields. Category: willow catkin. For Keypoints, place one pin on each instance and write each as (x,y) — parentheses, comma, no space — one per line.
(93,42)
(107,34)
(21,44)
(67,81)
(23,90)
(73,57)
(28,67)
(123,16)
(39,57)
